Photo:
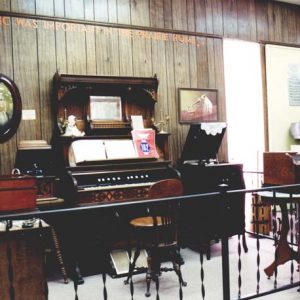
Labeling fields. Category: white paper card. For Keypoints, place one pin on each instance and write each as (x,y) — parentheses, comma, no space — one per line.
(137,122)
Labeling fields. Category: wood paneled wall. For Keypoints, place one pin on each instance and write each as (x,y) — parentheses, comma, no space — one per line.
(109,37)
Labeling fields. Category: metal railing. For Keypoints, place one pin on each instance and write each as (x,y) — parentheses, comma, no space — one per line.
(224,194)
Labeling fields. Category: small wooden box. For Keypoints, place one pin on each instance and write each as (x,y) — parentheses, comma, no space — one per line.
(17,192)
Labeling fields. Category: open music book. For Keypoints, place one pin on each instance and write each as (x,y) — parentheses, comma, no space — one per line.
(120,149)
(87,151)
(81,151)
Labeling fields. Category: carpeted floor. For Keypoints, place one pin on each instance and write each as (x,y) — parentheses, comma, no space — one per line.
(92,289)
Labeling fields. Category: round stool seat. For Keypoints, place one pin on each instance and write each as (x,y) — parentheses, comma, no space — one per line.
(145,222)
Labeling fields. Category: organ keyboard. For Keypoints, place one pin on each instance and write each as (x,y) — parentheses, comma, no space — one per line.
(106,187)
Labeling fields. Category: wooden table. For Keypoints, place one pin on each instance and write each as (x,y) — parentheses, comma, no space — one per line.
(283,252)
(22,262)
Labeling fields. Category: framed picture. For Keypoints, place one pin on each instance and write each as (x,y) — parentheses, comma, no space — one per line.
(10,108)
(197,105)
(105,108)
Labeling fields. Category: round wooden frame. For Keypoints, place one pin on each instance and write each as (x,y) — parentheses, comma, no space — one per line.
(9,129)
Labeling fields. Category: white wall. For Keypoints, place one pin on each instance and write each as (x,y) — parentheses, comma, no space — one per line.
(280,113)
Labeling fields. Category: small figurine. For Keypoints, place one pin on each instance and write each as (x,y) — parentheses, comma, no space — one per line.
(160,125)
(71,129)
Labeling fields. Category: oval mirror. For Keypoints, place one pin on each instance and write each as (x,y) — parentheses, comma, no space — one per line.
(10,108)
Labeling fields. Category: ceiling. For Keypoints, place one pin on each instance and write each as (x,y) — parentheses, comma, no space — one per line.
(297,2)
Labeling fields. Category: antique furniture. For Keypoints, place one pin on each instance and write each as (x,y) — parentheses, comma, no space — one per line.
(210,218)
(103,180)
(17,192)
(22,262)
(282,168)
(98,165)
(35,158)
(284,252)
(157,232)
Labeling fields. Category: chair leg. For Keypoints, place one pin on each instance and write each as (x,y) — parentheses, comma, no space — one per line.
(59,255)
(176,267)
(244,243)
(149,274)
(208,253)
(132,264)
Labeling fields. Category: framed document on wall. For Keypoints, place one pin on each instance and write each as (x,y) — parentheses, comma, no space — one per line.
(105,108)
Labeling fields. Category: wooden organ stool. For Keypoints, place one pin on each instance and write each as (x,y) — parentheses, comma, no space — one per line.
(157,233)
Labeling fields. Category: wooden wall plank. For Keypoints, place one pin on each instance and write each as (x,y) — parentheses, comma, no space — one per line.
(101,10)
(168,16)
(230,17)
(90,37)
(285,27)
(5,5)
(209,17)
(290,16)
(123,8)
(140,12)
(45,8)
(275,21)
(246,20)
(193,65)
(107,51)
(125,52)
(6,44)
(22,6)
(172,100)
(112,11)
(76,52)
(182,80)
(59,8)
(200,16)
(157,13)
(179,15)
(142,60)
(47,68)
(159,63)
(261,12)
(190,10)
(202,65)
(211,64)
(217,12)
(89,11)
(74,9)
(61,50)
(298,25)
(26,74)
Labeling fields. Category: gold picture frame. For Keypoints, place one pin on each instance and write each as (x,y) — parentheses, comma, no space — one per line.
(197,105)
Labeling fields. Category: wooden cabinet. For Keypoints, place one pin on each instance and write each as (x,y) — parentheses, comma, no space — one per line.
(103,106)
(22,263)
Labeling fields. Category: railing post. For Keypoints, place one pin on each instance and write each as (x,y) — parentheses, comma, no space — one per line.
(225,252)
(225,269)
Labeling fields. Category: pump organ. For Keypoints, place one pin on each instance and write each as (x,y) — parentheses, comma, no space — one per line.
(107,180)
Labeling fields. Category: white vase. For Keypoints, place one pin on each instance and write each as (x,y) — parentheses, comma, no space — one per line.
(295,130)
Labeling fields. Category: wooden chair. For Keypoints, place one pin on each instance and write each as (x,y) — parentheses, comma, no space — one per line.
(157,233)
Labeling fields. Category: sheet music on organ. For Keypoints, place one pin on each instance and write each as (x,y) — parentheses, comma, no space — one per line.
(82,151)
(93,150)
(120,149)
